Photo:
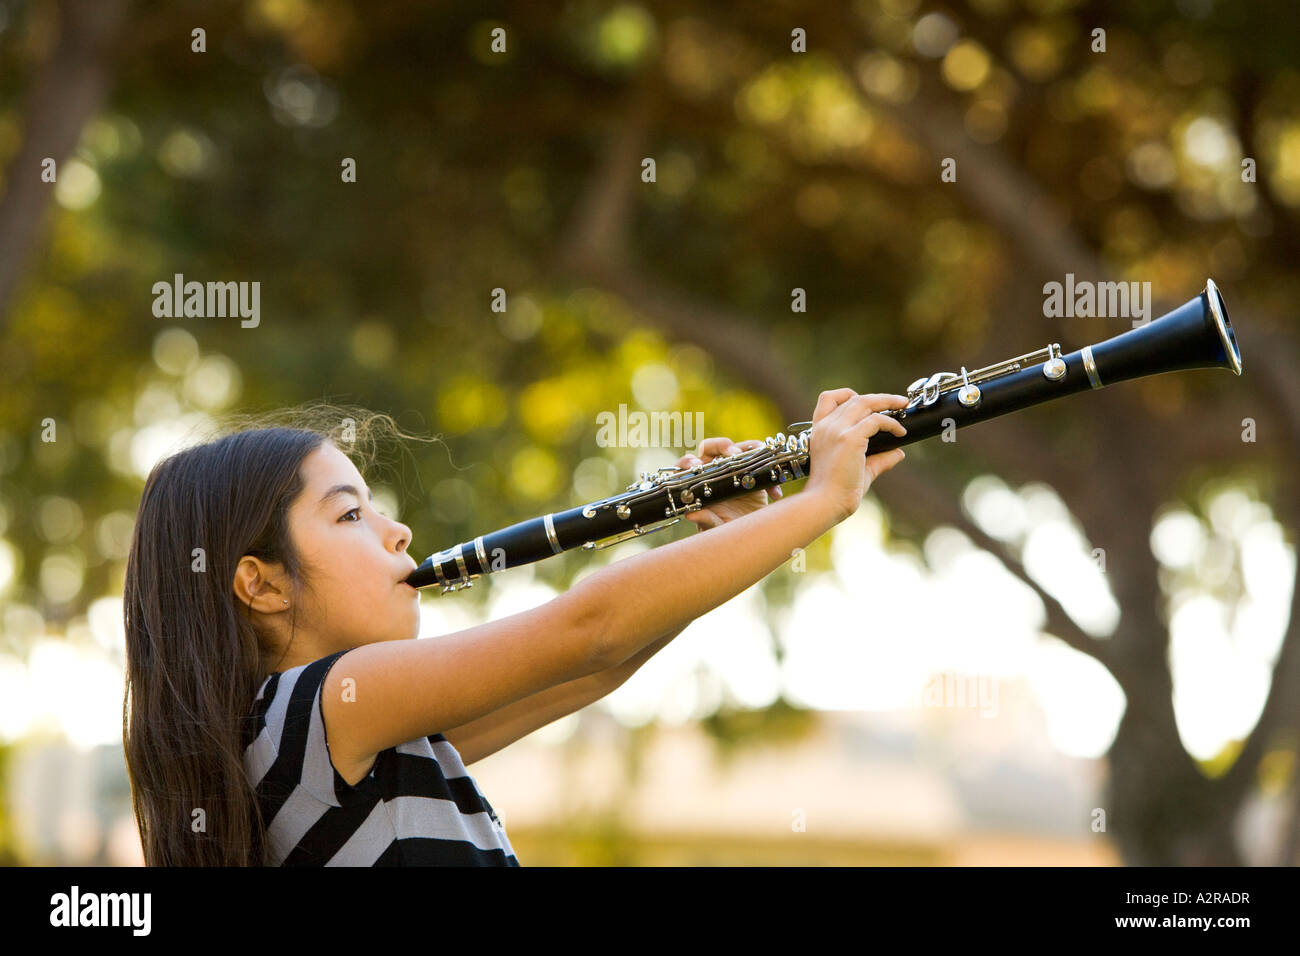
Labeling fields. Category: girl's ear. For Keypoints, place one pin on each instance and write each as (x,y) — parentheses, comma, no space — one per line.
(258,585)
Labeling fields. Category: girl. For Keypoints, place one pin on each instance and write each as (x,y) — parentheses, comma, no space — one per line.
(258,563)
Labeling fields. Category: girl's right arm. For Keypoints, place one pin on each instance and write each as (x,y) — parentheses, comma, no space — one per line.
(404,690)
(646,595)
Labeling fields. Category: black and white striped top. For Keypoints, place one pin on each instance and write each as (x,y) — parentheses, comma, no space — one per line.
(418,807)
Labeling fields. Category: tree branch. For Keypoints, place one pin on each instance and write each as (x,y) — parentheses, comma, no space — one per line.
(63,97)
(606,206)
(1006,196)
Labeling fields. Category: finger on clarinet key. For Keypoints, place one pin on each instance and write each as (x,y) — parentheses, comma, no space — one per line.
(713,446)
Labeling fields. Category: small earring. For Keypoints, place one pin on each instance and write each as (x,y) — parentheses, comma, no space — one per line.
(286,602)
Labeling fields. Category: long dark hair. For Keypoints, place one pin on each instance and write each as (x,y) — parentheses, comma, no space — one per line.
(193,655)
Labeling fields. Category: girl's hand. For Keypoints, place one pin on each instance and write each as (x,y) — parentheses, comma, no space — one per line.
(842,467)
(724,511)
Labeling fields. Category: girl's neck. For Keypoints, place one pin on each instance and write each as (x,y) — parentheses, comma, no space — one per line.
(279,662)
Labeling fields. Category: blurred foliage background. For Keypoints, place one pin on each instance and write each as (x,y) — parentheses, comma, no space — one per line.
(776,169)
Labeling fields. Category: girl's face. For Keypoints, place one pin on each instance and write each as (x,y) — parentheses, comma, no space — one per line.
(354,557)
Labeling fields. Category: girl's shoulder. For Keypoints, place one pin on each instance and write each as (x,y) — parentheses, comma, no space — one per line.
(289,730)
(273,682)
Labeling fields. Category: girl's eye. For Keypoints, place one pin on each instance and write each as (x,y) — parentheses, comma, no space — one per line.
(353,511)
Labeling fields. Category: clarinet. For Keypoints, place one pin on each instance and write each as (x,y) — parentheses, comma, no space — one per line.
(1197,334)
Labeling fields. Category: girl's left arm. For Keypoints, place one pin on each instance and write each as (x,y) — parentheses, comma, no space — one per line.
(490,733)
